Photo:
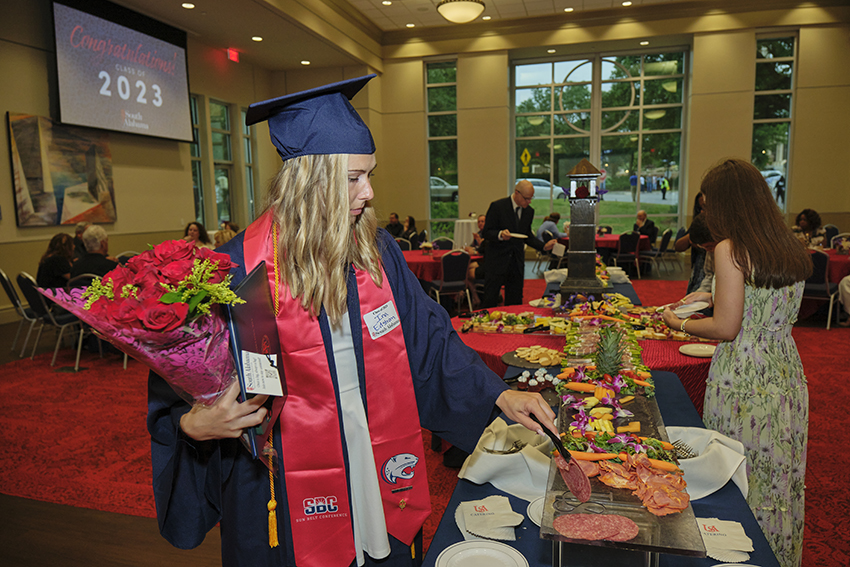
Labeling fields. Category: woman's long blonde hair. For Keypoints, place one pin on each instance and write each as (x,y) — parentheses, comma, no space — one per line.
(308,200)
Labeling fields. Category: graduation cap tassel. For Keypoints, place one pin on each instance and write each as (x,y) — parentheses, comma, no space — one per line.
(272,506)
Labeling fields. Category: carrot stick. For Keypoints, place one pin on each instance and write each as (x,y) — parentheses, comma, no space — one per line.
(567,372)
(597,317)
(664,444)
(642,383)
(580,386)
(661,465)
(644,374)
(582,456)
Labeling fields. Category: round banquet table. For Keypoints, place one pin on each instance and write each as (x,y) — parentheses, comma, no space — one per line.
(609,241)
(657,355)
(427,267)
(464,229)
(839,265)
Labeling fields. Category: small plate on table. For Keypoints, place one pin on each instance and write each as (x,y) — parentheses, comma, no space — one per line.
(698,350)
(476,553)
(518,235)
(535,510)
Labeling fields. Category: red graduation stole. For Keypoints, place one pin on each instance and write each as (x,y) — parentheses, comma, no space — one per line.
(313,463)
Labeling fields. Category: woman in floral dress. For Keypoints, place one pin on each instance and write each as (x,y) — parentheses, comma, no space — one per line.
(756,390)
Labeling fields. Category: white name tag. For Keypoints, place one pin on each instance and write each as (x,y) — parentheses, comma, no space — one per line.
(261,376)
(382,320)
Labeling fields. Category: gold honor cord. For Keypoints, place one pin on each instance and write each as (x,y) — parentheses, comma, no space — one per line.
(272,505)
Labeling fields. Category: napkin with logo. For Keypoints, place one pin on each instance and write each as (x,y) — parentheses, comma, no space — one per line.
(498,459)
(720,459)
(491,518)
(724,540)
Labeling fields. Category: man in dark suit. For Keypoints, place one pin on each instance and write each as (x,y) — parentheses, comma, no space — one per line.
(506,253)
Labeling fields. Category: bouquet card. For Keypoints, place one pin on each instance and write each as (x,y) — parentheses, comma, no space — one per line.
(256,348)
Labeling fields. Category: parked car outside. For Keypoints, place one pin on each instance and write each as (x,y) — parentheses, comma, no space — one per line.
(441,190)
(771,176)
(545,190)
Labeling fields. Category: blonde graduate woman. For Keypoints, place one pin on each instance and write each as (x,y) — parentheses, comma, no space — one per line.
(756,390)
(369,360)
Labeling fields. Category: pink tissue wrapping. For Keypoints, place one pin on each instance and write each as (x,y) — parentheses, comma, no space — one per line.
(194,359)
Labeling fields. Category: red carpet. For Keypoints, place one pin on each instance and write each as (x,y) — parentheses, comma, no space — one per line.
(80,439)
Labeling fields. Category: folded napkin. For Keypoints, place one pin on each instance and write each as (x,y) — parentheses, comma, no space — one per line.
(618,277)
(523,473)
(720,459)
(725,541)
(491,518)
(558,275)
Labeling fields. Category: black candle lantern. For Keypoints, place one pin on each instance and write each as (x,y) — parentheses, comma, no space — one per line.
(581,256)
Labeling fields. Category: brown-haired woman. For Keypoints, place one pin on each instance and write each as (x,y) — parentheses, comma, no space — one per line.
(756,391)
(54,268)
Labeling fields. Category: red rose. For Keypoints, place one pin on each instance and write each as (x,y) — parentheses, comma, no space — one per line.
(124,312)
(582,192)
(224,264)
(100,307)
(158,316)
(137,263)
(173,250)
(119,277)
(148,280)
(174,272)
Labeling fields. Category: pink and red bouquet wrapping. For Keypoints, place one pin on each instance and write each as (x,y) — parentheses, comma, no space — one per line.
(162,308)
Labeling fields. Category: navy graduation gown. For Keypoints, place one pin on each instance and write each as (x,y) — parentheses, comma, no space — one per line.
(198,484)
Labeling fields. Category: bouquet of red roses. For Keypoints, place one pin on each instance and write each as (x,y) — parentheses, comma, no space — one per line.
(161,308)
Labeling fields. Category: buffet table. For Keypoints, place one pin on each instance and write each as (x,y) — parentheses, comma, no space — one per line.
(657,354)
(726,504)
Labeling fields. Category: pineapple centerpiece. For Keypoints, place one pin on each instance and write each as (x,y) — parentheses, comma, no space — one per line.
(609,352)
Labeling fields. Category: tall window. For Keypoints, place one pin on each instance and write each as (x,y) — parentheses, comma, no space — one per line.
(220,133)
(197,164)
(441,95)
(248,159)
(772,113)
(621,112)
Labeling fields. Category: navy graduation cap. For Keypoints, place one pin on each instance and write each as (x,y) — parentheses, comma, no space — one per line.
(317,121)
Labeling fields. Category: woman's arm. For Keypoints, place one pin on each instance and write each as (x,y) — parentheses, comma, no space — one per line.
(728,301)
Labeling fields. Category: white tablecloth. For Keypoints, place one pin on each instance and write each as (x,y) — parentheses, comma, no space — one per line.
(464,229)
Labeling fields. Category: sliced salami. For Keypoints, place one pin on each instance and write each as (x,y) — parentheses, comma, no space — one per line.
(627,528)
(585,526)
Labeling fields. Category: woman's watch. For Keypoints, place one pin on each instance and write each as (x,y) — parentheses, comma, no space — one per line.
(682,328)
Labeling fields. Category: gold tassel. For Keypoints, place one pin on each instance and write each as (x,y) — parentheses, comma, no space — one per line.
(272,506)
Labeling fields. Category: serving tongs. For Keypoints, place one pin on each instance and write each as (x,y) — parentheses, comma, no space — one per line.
(574,477)
(535,329)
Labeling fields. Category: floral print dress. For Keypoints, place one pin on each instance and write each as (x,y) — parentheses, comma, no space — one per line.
(756,393)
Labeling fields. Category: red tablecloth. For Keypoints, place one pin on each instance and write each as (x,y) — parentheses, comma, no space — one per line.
(657,355)
(428,266)
(609,241)
(839,265)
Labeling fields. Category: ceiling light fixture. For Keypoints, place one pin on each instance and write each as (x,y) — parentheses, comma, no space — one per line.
(486,18)
(305,62)
(627,3)
(460,11)
(188,5)
(550,51)
(256,38)
(410,25)
(644,43)
(568,9)
(387,3)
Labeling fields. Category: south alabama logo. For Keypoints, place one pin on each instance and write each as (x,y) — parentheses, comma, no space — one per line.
(400,466)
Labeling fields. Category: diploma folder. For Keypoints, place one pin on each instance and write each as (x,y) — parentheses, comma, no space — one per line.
(253,329)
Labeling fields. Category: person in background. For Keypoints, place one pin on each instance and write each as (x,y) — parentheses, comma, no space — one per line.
(550,223)
(697,253)
(394,227)
(79,247)
(228,225)
(756,391)
(808,228)
(698,240)
(54,268)
(664,185)
(633,181)
(507,229)
(646,226)
(780,189)
(96,260)
(195,232)
(409,232)
(370,359)
(223,236)
(844,298)
(479,246)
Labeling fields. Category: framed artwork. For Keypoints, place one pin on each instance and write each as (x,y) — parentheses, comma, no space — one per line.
(61,174)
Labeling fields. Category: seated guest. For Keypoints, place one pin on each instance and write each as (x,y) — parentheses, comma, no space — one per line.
(222,236)
(645,226)
(409,232)
(808,228)
(95,260)
(550,223)
(479,245)
(79,247)
(228,225)
(195,232)
(54,268)
(844,298)
(394,227)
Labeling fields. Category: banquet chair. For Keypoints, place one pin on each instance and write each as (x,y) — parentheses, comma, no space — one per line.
(423,236)
(48,315)
(831,232)
(85,280)
(443,243)
(26,313)
(403,243)
(126,255)
(655,255)
(627,250)
(455,267)
(559,251)
(544,255)
(818,286)
(838,239)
